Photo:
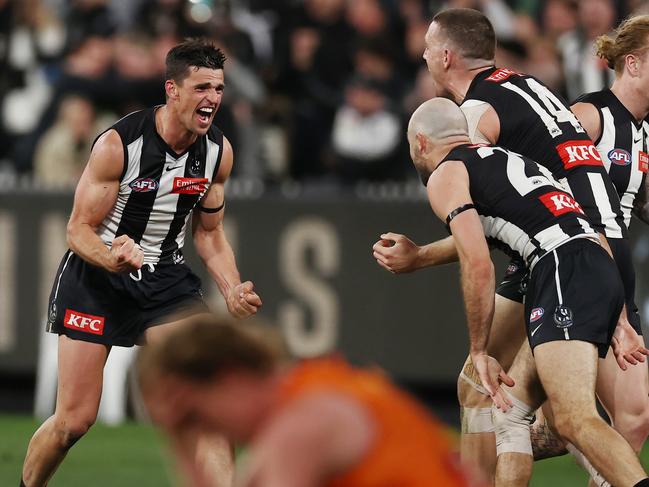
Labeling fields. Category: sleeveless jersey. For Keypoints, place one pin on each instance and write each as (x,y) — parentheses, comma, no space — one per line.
(622,146)
(410,448)
(522,212)
(159,188)
(539,124)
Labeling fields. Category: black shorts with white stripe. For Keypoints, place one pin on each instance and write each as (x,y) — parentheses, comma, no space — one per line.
(621,250)
(514,283)
(91,304)
(574,293)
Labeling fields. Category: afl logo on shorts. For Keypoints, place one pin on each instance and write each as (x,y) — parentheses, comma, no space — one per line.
(536,314)
(619,157)
(563,316)
(144,185)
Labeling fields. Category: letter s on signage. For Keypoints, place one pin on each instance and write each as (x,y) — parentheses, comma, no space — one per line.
(300,240)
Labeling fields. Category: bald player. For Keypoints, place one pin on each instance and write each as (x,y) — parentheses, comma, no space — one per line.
(519,113)
(486,193)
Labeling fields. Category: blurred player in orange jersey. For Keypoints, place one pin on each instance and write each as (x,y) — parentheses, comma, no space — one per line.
(317,423)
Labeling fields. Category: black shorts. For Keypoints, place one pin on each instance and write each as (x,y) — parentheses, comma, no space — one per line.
(514,283)
(621,249)
(574,293)
(91,304)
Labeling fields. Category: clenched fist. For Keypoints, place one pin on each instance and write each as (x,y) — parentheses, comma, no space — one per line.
(126,255)
(242,301)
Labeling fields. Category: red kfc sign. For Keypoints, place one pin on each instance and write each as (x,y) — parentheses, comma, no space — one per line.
(76,320)
(559,203)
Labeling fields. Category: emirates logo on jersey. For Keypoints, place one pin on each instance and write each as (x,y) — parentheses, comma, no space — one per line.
(189,185)
(579,153)
(501,75)
(643,162)
(559,203)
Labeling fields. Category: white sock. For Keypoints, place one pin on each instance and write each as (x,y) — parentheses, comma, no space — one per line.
(586,465)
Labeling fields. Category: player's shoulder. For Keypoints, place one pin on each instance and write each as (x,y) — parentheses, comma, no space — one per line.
(216,135)
(597,98)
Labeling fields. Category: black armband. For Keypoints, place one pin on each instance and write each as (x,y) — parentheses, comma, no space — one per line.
(456,212)
(210,210)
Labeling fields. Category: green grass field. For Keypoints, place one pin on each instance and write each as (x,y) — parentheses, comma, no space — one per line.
(133,455)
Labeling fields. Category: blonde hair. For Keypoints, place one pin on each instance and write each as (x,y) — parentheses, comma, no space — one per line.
(630,37)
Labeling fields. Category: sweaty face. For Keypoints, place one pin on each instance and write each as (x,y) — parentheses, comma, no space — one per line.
(198,98)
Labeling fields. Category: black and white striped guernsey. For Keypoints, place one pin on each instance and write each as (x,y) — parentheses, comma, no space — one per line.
(538,124)
(622,145)
(158,188)
(522,212)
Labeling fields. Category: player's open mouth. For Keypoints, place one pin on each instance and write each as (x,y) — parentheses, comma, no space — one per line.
(204,114)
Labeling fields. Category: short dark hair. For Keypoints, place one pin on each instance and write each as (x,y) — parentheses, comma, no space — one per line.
(470,31)
(199,53)
(205,348)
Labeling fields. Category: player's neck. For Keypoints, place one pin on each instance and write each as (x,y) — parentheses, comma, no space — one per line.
(461,82)
(171,130)
(440,152)
(634,99)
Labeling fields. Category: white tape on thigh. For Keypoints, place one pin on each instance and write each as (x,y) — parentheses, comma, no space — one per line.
(586,465)
(513,428)
(477,420)
(475,385)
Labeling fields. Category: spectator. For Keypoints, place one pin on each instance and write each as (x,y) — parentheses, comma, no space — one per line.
(366,134)
(62,152)
(583,71)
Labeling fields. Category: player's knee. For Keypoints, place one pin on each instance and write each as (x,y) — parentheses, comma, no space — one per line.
(512,428)
(634,425)
(475,408)
(69,428)
(569,425)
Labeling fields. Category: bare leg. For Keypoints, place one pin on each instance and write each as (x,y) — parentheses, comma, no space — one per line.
(81,366)
(515,467)
(568,372)
(207,460)
(625,396)
(507,334)
(546,442)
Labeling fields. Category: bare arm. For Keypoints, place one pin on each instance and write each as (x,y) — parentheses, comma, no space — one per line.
(315,438)
(398,254)
(588,116)
(94,198)
(448,189)
(215,250)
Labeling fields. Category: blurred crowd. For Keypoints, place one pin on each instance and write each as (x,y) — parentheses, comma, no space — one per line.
(317,90)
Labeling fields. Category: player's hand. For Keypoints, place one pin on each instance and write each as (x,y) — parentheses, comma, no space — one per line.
(242,301)
(627,345)
(126,255)
(492,375)
(396,253)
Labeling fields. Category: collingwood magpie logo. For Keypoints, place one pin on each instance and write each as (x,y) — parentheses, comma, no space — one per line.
(563,316)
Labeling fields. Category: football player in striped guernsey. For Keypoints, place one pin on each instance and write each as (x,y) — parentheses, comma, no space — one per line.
(485,193)
(124,280)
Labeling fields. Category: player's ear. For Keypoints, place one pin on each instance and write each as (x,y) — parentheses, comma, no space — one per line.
(446,58)
(422,142)
(171,89)
(632,64)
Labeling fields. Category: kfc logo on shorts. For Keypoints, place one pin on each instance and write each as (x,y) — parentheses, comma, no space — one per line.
(501,75)
(189,185)
(144,185)
(536,314)
(619,157)
(579,153)
(78,321)
(559,203)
